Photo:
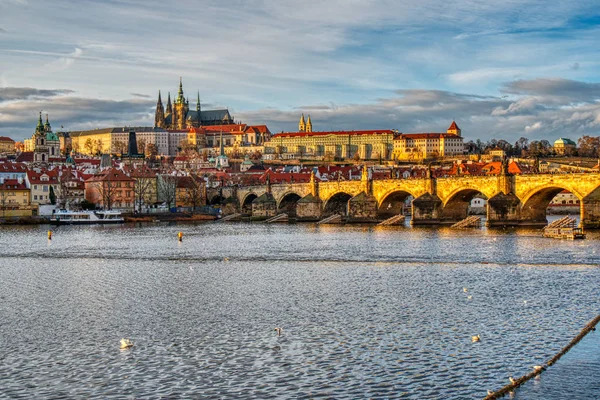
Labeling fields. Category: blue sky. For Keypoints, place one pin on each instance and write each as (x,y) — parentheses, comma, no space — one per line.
(501,69)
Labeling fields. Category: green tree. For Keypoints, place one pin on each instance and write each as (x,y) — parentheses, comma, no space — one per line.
(52,196)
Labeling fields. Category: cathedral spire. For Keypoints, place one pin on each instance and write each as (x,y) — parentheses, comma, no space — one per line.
(47,127)
(40,124)
(169,107)
(199,110)
(308,124)
(302,124)
(159,115)
(180,99)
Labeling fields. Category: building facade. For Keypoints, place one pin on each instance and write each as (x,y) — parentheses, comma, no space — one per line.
(416,146)
(364,145)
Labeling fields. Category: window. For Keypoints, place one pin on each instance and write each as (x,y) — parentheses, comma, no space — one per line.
(45,188)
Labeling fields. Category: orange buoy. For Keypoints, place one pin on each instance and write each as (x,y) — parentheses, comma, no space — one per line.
(49,235)
(180,236)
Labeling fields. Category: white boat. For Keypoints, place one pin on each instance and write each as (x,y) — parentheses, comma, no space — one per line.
(66,217)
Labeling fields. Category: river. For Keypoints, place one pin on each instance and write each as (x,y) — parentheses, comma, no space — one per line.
(366,312)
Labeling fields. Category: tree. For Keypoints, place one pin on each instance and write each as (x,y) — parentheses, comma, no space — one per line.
(89,146)
(194,192)
(167,189)
(141,145)
(142,190)
(52,196)
(588,146)
(119,147)
(98,146)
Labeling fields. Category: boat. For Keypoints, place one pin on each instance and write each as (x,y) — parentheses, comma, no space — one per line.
(66,217)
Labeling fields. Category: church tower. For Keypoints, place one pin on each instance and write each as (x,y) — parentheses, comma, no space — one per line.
(159,116)
(302,124)
(453,129)
(308,124)
(46,143)
(180,109)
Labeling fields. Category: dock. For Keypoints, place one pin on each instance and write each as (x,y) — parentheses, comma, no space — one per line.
(469,222)
(283,217)
(395,220)
(564,228)
(332,219)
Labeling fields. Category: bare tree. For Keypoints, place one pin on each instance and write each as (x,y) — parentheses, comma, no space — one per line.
(194,192)
(108,193)
(167,189)
(143,190)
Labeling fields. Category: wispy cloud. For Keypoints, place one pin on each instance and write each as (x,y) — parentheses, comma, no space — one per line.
(144,96)
(27,93)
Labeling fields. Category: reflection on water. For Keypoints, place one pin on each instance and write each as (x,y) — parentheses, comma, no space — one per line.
(365,311)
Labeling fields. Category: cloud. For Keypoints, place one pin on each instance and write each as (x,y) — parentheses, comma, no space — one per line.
(552,88)
(3,30)
(482,117)
(144,96)
(19,107)
(536,126)
(574,66)
(26,93)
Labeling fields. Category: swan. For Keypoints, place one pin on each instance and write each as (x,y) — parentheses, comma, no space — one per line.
(475,338)
(126,343)
(278,330)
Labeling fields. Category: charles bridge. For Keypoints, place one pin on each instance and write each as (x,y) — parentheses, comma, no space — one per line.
(513,200)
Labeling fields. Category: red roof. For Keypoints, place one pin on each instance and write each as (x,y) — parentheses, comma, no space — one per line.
(13,184)
(12,167)
(424,136)
(36,177)
(6,139)
(299,134)
(108,175)
(453,126)
(287,177)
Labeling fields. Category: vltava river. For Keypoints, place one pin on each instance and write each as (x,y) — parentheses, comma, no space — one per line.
(366,312)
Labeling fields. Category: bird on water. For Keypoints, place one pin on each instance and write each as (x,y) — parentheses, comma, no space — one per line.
(126,343)
(512,380)
(278,330)
(475,338)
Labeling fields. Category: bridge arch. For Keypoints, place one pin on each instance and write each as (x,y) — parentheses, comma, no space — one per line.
(246,204)
(456,206)
(336,204)
(287,203)
(534,205)
(392,203)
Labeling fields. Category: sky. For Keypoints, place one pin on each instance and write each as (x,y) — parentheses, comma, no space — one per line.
(502,70)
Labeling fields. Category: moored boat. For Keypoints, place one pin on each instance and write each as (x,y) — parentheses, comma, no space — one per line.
(65,217)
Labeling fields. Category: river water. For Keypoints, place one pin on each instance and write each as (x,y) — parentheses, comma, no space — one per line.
(366,312)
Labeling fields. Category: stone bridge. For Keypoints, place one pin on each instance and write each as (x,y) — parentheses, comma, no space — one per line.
(513,200)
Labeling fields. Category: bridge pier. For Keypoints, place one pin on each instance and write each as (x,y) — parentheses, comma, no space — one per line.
(590,211)
(309,208)
(426,210)
(362,208)
(503,210)
(264,207)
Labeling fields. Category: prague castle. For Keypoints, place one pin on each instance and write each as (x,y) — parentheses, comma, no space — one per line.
(178,116)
